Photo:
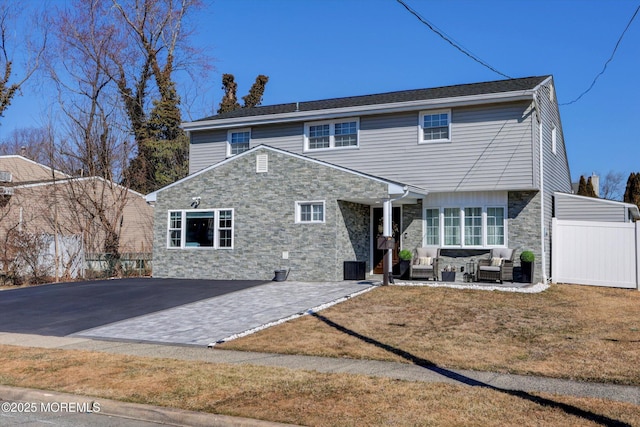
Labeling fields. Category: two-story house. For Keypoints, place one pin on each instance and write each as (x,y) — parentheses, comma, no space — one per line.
(302,185)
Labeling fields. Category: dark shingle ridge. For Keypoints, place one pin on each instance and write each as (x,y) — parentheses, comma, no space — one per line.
(469,89)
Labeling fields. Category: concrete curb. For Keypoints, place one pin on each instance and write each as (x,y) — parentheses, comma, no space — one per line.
(135,411)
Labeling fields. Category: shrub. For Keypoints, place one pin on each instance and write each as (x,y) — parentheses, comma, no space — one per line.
(405,255)
(527,256)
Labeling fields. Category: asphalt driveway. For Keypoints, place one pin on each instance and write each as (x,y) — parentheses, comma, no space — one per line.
(177,311)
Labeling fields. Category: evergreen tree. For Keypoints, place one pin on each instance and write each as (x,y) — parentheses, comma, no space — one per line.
(163,156)
(632,192)
(229,100)
(252,99)
(582,186)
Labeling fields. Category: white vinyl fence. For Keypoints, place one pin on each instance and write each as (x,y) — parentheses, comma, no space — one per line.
(595,253)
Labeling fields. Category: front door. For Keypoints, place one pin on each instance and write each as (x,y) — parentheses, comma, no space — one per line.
(376,223)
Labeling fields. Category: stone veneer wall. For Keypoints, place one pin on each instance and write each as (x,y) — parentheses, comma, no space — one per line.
(411,226)
(264,220)
(524,227)
(355,236)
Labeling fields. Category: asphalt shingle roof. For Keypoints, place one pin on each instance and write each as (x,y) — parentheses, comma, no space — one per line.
(511,85)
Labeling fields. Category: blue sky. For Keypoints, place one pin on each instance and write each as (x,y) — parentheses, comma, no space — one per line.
(316,49)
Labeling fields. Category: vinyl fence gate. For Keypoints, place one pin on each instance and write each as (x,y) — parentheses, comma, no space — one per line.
(595,253)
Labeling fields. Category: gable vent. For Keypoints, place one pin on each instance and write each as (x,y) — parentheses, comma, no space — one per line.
(5,176)
(262,163)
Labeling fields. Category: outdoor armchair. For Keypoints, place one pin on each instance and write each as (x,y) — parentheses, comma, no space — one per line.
(424,264)
(499,265)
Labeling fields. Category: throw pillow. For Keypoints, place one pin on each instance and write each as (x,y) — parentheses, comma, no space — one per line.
(496,262)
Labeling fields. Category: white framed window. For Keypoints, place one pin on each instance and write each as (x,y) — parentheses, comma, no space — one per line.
(432,227)
(328,135)
(435,126)
(200,228)
(310,212)
(238,141)
(452,226)
(495,226)
(472,227)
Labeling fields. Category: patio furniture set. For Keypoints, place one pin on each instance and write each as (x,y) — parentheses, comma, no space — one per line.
(497,267)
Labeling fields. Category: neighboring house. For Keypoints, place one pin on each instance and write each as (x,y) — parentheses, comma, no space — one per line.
(36,200)
(302,185)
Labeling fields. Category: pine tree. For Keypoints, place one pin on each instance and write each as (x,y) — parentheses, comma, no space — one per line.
(632,192)
(163,156)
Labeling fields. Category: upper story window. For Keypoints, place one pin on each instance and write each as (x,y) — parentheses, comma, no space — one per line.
(435,126)
(200,229)
(554,138)
(331,134)
(238,141)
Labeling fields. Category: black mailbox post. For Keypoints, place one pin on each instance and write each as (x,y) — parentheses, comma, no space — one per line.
(385,243)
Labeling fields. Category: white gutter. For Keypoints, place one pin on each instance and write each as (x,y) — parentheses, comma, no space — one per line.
(542,224)
(361,110)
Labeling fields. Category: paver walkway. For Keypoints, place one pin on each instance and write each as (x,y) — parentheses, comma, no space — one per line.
(215,319)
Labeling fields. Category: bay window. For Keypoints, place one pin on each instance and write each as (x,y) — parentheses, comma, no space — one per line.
(472,227)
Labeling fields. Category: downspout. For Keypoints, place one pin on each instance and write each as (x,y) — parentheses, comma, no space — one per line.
(387,218)
(541,159)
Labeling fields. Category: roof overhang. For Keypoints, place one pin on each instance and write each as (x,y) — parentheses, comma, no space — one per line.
(361,110)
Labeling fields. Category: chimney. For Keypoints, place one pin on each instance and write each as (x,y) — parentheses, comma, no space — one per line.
(23,151)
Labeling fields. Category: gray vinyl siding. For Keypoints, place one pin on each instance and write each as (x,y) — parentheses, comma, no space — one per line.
(574,208)
(556,175)
(491,148)
(287,136)
(206,148)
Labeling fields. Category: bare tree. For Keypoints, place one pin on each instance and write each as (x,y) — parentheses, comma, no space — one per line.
(32,143)
(94,143)
(11,13)
(158,45)
(611,186)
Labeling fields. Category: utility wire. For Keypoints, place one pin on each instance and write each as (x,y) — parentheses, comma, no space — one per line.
(593,83)
(449,40)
